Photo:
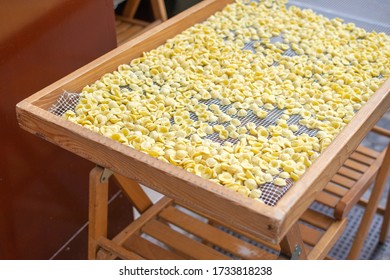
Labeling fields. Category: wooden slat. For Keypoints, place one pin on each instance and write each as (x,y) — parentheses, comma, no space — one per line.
(327,199)
(148,250)
(381,131)
(367,151)
(253,237)
(310,235)
(356,165)
(343,181)
(210,234)
(316,219)
(118,250)
(180,242)
(350,173)
(363,158)
(328,239)
(336,190)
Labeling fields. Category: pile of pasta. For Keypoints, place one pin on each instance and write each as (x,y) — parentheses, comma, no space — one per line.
(159,103)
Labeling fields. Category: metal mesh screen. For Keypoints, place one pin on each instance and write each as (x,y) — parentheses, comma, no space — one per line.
(270,192)
(67,101)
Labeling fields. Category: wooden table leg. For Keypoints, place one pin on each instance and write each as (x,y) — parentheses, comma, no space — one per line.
(134,193)
(371,208)
(385,223)
(292,243)
(98,207)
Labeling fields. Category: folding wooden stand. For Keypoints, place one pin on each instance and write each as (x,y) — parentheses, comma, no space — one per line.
(353,179)
(127,26)
(180,232)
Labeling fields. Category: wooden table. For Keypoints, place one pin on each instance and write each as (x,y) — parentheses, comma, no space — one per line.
(276,225)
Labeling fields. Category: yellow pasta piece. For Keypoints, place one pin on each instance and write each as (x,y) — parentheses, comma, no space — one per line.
(231,111)
(268,178)
(255,193)
(244,191)
(261,113)
(269,106)
(242,113)
(284,175)
(280,182)
(250,184)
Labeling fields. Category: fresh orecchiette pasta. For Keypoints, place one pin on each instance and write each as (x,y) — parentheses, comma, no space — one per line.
(241,116)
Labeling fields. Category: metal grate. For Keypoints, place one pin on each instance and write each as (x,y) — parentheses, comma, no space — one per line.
(270,193)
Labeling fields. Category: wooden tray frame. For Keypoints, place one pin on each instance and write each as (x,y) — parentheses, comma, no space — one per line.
(268,223)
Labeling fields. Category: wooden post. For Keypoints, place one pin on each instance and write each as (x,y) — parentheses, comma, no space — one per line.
(290,242)
(98,207)
(159,11)
(134,193)
(386,222)
(131,8)
(372,205)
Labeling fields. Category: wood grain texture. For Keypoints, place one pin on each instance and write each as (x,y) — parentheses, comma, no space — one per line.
(134,193)
(310,236)
(292,239)
(336,189)
(328,239)
(98,211)
(386,222)
(355,165)
(321,221)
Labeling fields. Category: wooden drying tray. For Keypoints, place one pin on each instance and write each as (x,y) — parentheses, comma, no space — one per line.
(268,223)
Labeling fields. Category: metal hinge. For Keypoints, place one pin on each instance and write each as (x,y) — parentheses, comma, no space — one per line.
(297,252)
(105,175)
